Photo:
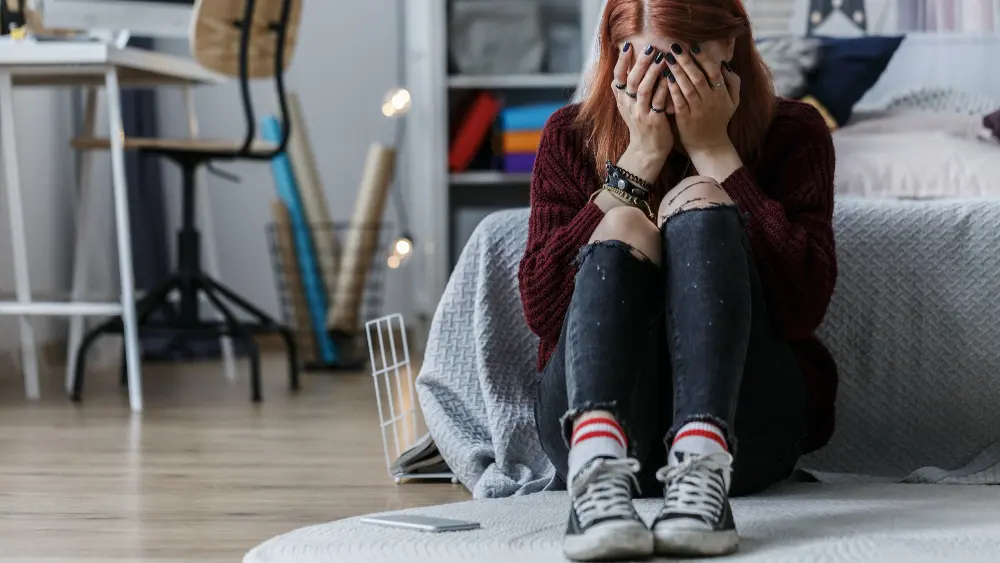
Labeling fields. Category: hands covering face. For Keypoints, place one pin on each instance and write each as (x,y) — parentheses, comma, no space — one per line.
(697,86)
(641,92)
(705,92)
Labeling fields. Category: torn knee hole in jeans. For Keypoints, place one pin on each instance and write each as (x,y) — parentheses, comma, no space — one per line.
(587,250)
(695,204)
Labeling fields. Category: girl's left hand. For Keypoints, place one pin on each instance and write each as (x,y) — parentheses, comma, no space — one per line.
(704,101)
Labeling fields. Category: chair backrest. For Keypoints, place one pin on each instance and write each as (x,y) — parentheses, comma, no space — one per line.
(248,39)
(216,35)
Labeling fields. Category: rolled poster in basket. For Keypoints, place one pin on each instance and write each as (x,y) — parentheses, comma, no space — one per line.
(362,239)
(307,177)
(284,181)
(298,306)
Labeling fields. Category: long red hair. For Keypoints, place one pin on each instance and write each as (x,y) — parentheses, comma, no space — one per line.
(690,21)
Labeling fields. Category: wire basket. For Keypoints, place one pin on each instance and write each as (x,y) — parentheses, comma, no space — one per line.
(291,271)
(403,433)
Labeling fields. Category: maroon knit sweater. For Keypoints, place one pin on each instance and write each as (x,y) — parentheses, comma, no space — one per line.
(788,197)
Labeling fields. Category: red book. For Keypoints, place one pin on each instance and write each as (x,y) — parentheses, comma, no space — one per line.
(472,131)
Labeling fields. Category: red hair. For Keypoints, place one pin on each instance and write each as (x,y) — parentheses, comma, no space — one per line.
(690,21)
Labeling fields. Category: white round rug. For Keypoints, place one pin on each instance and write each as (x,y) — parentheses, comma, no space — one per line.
(796,523)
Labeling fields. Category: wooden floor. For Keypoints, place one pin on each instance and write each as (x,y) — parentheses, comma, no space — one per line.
(202,475)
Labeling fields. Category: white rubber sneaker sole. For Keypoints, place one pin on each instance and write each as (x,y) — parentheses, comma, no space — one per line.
(695,543)
(610,541)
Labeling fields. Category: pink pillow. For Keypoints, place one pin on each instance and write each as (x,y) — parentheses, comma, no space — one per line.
(992,122)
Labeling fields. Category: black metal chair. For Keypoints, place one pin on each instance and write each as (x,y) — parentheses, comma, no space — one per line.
(248,39)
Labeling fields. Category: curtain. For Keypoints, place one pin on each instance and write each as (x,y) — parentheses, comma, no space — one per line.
(968,16)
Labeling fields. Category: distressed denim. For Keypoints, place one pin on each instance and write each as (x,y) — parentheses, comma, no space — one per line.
(660,347)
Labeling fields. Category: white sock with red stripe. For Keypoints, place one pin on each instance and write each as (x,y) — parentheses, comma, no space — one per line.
(697,438)
(598,436)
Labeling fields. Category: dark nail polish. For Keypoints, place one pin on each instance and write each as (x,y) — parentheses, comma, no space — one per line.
(727,66)
(658,59)
(677,49)
(695,49)
(671,59)
(670,77)
(666,73)
(627,46)
(649,50)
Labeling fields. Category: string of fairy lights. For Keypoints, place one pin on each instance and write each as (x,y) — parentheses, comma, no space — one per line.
(395,106)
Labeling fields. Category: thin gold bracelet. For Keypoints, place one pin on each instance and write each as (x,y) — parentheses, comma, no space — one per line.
(627,199)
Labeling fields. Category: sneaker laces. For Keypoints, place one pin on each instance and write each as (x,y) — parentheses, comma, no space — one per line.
(694,486)
(603,489)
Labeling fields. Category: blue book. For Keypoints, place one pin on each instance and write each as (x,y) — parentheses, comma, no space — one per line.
(527,118)
(312,280)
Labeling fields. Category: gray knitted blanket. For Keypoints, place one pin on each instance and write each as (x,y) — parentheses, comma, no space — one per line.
(913,326)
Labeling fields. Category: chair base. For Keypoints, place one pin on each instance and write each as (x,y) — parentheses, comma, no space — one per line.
(181,320)
(157,314)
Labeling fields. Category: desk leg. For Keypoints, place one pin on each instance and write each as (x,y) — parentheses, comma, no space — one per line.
(29,355)
(209,248)
(124,236)
(84,217)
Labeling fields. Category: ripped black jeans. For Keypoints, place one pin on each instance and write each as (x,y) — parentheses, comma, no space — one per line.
(660,347)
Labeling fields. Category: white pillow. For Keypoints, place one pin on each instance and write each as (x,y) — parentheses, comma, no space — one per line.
(965,126)
(916,154)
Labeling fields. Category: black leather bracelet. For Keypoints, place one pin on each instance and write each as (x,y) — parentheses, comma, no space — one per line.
(627,182)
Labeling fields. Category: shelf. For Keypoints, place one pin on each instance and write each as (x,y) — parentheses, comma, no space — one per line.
(502,81)
(488,178)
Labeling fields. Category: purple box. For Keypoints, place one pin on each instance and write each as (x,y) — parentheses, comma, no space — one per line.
(518,162)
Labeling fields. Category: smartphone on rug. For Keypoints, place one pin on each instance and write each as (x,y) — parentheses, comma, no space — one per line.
(421,523)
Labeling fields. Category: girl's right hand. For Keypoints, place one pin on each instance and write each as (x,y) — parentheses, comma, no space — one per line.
(638,92)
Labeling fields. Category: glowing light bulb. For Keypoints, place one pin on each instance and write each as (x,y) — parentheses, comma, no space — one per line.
(397,103)
(401,99)
(403,246)
(400,252)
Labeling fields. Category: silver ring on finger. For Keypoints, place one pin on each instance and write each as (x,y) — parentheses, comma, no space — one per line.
(657,110)
(719,85)
(620,86)
(632,95)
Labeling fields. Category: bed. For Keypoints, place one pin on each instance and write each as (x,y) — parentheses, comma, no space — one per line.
(913,152)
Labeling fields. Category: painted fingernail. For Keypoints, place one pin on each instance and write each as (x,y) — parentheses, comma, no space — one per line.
(628,45)
(671,59)
(649,50)
(727,66)
(670,77)
(677,49)
(695,49)
(658,59)
(667,73)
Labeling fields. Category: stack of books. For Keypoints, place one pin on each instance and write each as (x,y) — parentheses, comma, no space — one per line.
(520,130)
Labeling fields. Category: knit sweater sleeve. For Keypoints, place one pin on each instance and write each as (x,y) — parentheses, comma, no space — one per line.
(790,231)
(560,223)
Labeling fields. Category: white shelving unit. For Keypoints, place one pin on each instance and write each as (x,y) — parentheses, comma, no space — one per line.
(515,81)
(432,188)
(488,178)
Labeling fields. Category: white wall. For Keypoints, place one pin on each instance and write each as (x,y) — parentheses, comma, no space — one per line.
(343,66)
(44,123)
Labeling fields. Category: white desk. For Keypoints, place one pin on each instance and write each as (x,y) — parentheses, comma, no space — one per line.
(28,63)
